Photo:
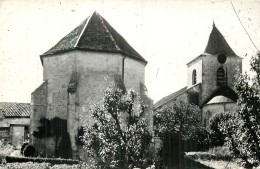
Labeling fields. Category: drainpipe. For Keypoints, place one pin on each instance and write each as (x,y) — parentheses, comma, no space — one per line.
(123,68)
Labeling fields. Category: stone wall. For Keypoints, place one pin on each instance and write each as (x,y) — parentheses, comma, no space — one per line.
(194,65)
(210,65)
(96,70)
(39,108)
(16,121)
(13,130)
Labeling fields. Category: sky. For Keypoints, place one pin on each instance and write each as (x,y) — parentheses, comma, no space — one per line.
(167,33)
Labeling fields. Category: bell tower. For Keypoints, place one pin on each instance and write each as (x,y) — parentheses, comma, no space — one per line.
(213,73)
(220,65)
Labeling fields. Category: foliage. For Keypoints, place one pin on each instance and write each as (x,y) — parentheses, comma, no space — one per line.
(243,126)
(181,118)
(119,137)
(180,127)
(200,141)
(216,135)
(5,149)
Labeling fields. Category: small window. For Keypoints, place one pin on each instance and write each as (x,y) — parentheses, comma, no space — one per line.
(194,98)
(194,77)
(221,77)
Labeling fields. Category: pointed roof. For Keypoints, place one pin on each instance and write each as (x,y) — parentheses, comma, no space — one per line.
(217,43)
(95,34)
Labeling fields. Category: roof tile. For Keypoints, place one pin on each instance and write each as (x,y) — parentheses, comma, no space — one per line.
(217,43)
(170,97)
(15,109)
(95,34)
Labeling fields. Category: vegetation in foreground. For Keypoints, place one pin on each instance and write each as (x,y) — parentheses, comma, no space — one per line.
(119,137)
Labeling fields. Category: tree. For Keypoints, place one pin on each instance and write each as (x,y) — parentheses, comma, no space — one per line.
(217,137)
(180,129)
(243,126)
(119,137)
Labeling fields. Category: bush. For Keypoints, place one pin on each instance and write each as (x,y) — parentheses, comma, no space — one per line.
(5,149)
(200,141)
(216,135)
(29,151)
(180,129)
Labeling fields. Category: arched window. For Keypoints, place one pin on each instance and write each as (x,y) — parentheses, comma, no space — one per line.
(194,77)
(221,77)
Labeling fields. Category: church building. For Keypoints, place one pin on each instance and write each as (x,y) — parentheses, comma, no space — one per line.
(76,73)
(211,79)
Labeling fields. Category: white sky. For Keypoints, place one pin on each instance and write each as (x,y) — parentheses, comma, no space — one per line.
(167,33)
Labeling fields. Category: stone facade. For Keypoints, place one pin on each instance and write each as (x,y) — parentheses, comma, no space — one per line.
(76,78)
(210,81)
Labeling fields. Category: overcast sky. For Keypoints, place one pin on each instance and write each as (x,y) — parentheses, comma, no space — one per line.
(167,33)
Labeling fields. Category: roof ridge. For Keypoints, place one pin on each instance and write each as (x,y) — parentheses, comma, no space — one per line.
(83,30)
(111,36)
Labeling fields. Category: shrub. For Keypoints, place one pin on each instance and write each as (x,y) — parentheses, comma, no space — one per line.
(216,135)
(29,151)
(180,129)
(5,149)
(200,141)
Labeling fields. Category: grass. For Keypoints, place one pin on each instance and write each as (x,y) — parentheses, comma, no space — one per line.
(217,157)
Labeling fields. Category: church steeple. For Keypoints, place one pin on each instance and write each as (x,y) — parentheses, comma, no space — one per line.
(217,43)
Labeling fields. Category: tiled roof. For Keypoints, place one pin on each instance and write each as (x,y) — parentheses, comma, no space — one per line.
(95,34)
(170,97)
(217,43)
(15,109)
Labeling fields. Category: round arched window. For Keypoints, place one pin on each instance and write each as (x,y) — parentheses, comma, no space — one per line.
(194,77)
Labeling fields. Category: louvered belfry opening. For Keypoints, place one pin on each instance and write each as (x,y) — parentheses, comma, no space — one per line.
(221,77)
